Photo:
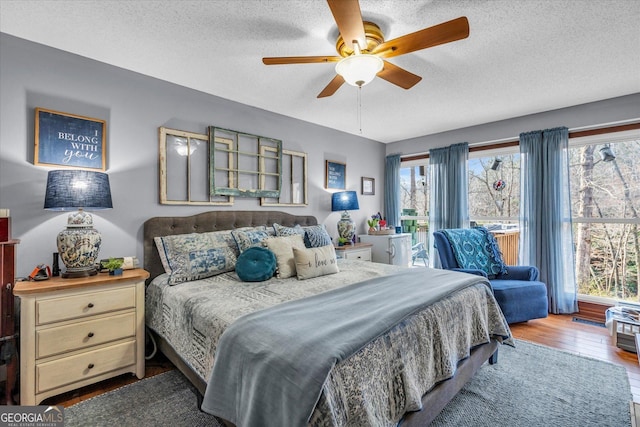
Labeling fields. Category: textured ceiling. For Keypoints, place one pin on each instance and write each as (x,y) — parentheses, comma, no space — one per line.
(522,56)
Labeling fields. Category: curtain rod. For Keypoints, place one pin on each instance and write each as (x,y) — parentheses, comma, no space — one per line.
(516,142)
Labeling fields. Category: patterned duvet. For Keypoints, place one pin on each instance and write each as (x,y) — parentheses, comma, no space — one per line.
(376,385)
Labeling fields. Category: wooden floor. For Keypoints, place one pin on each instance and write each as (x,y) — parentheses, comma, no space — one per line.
(558,331)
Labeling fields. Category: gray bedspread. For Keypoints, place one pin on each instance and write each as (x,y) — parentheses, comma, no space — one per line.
(271,365)
(375,386)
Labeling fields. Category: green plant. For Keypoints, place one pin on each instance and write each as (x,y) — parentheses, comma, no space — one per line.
(112,263)
(372,223)
(343,240)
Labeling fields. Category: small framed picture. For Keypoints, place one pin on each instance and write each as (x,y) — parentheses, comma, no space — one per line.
(335,175)
(63,139)
(368,186)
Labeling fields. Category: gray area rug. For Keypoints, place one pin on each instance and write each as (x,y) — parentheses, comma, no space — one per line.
(531,385)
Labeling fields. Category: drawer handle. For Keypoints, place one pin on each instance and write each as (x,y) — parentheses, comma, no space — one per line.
(90,335)
(90,366)
(90,305)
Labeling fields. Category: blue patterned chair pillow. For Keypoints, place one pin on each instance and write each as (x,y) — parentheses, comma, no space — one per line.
(476,248)
(187,257)
(316,236)
(256,264)
(248,237)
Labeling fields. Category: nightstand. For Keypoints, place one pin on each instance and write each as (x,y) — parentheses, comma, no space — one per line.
(361,251)
(76,332)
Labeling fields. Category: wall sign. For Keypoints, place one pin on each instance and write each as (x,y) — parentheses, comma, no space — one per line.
(335,175)
(63,139)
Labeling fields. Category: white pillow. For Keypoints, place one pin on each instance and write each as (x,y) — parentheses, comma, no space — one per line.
(283,248)
(314,262)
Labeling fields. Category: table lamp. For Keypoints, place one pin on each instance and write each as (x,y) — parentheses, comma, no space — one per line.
(78,244)
(345,201)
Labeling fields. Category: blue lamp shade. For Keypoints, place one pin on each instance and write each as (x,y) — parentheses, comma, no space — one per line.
(344,201)
(78,244)
(73,189)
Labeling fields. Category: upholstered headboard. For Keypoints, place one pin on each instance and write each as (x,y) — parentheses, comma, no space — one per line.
(209,221)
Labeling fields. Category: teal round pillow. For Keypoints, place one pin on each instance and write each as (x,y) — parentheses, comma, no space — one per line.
(256,264)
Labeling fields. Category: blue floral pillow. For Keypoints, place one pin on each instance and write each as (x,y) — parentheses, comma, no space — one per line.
(187,257)
(476,248)
(248,237)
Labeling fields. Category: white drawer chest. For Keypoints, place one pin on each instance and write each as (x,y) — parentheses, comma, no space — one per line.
(358,251)
(75,332)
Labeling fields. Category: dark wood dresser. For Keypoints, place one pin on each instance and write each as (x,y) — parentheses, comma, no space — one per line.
(8,338)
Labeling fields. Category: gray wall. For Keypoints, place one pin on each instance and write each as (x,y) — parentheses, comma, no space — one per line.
(135,106)
(596,113)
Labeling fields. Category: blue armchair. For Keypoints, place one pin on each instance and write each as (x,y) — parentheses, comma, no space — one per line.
(518,292)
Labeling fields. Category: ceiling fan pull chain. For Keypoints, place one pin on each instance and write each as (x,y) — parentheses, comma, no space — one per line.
(360,108)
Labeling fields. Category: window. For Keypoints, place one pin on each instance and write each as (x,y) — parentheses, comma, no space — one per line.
(414,199)
(414,184)
(605,193)
(494,196)
(494,188)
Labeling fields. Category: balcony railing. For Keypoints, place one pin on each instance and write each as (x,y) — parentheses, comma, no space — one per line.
(611,270)
(508,240)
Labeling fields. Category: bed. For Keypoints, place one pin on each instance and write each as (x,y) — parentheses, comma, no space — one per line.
(181,321)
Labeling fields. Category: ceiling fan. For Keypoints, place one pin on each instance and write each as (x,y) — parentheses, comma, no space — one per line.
(362,48)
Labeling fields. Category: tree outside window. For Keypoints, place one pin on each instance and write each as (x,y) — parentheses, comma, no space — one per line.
(605,190)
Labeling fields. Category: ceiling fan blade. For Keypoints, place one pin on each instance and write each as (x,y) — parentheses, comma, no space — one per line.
(398,76)
(348,17)
(332,87)
(446,32)
(300,60)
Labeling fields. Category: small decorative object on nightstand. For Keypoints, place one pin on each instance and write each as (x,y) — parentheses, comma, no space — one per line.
(114,265)
(373,224)
(76,332)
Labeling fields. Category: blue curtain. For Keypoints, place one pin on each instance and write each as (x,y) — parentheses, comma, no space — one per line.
(392,202)
(546,236)
(449,206)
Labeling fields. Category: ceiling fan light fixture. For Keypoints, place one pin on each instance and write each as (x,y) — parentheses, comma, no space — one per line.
(359,70)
